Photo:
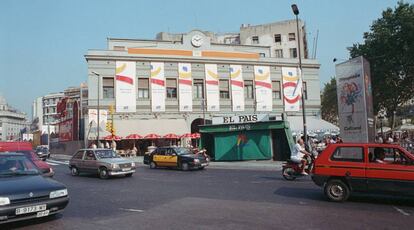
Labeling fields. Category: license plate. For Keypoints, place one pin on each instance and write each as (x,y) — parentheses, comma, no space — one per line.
(126,169)
(43,213)
(204,164)
(30,209)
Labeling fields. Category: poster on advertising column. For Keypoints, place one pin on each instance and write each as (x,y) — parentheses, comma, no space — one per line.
(125,92)
(157,87)
(263,88)
(237,87)
(355,107)
(212,87)
(185,87)
(292,88)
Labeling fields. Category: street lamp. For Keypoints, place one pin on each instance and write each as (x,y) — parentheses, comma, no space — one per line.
(296,12)
(99,89)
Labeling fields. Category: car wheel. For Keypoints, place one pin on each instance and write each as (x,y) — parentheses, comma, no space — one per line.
(74,171)
(103,173)
(337,190)
(128,175)
(201,168)
(184,166)
(153,165)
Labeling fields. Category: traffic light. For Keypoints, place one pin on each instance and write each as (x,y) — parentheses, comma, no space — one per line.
(109,126)
(111,110)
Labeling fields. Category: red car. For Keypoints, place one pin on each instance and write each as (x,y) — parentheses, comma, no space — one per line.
(374,168)
(26,149)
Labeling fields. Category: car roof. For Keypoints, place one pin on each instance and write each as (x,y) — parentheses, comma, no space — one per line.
(15,145)
(365,144)
(11,154)
(94,149)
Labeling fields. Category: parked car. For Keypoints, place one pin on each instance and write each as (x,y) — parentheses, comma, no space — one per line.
(42,151)
(26,149)
(104,162)
(342,169)
(24,193)
(175,157)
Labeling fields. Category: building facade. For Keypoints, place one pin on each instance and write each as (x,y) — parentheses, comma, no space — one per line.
(157,105)
(12,122)
(45,117)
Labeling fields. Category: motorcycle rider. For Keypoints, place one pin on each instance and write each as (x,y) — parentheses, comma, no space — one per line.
(298,155)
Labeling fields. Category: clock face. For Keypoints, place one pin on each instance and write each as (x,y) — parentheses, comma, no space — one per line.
(197,40)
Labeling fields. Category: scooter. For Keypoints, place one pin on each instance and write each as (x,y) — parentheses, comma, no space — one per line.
(291,170)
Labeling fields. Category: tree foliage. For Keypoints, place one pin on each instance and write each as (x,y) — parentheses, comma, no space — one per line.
(389,47)
(329,102)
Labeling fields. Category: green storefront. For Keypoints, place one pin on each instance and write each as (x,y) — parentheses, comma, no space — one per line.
(247,141)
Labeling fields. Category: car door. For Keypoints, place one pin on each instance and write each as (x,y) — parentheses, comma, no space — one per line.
(77,159)
(159,156)
(89,163)
(349,162)
(171,157)
(392,174)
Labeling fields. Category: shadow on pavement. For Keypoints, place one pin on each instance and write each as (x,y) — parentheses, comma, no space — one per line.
(303,193)
(31,222)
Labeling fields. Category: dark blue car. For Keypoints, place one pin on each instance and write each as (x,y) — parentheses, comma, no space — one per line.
(25,193)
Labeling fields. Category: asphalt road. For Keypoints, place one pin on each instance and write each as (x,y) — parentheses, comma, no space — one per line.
(215,199)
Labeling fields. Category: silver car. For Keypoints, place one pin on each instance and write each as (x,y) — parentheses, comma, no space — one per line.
(104,162)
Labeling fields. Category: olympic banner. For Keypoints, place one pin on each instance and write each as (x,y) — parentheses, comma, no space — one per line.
(212,87)
(292,89)
(237,87)
(157,87)
(263,88)
(185,87)
(125,93)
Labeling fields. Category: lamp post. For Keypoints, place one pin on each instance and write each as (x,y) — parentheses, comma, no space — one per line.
(98,112)
(296,12)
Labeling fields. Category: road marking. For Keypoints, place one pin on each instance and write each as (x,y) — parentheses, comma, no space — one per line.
(53,162)
(131,210)
(401,211)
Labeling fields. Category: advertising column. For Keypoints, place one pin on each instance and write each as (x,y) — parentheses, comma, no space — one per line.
(237,87)
(263,88)
(157,87)
(125,92)
(212,87)
(292,89)
(355,100)
(185,86)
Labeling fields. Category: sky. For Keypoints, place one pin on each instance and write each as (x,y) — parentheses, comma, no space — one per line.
(43,42)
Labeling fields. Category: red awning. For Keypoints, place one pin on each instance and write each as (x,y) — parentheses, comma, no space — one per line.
(133,137)
(187,135)
(110,137)
(195,136)
(171,136)
(152,136)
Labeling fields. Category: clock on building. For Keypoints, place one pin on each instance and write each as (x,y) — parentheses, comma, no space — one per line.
(197,40)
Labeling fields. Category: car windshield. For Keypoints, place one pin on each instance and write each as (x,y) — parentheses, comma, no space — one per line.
(16,166)
(183,151)
(106,154)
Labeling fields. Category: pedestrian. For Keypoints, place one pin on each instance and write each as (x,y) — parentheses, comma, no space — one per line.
(93,145)
(107,145)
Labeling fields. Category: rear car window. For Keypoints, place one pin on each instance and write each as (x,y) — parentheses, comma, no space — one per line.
(352,154)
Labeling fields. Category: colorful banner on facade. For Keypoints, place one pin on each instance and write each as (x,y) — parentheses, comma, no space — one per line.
(125,93)
(65,130)
(185,86)
(292,89)
(237,87)
(355,109)
(212,87)
(157,87)
(263,88)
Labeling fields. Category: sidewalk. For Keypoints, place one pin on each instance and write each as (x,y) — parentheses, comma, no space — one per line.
(268,165)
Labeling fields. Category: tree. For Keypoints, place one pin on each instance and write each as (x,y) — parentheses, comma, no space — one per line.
(329,102)
(389,47)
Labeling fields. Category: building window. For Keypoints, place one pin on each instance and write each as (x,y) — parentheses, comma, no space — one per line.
(293,53)
(292,37)
(171,88)
(108,87)
(143,88)
(276,94)
(198,88)
(279,53)
(305,90)
(278,38)
(248,89)
(262,54)
(224,89)
(255,40)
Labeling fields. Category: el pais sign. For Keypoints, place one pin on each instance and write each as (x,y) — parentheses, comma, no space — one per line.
(240,119)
